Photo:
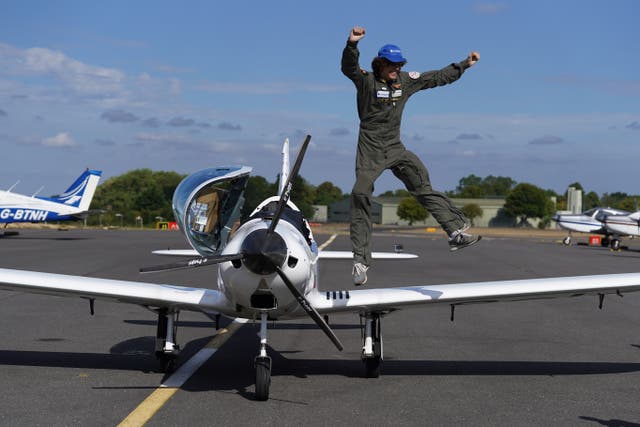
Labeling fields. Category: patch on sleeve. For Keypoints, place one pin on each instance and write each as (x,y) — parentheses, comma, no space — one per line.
(414,74)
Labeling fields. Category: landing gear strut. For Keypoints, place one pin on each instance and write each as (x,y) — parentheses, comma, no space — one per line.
(263,363)
(167,350)
(372,348)
(615,244)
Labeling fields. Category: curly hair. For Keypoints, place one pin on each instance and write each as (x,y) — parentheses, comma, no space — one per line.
(379,62)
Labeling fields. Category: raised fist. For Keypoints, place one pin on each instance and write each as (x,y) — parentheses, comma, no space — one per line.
(356,34)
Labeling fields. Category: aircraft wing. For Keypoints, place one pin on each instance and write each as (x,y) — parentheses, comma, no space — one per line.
(386,299)
(374,255)
(140,293)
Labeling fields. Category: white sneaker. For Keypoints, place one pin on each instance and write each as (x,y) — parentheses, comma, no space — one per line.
(359,273)
(461,240)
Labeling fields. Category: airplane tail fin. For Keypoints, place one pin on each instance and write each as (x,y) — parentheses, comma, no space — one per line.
(284,173)
(81,192)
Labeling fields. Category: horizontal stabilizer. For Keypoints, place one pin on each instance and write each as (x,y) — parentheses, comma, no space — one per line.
(374,255)
(322,254)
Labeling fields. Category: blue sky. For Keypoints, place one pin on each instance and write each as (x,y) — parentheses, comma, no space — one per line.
(183,86)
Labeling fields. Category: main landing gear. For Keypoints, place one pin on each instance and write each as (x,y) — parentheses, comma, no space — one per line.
(167,350)
(372,348)
(604,242)
(263,363)
(610,241)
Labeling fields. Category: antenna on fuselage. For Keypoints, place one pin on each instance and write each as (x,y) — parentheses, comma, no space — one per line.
(13,186)
(39,190)
(284,173)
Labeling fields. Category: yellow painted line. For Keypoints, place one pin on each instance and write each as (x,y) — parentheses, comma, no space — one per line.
(156,400)
(328,242)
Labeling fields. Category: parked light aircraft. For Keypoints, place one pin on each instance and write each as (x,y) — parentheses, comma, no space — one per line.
(268,270)
(623,224)
(69,205)
(590,221)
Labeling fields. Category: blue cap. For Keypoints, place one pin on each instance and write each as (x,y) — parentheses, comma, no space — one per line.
(391,53)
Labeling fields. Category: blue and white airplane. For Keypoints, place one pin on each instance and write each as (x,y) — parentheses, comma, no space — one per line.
(67,206)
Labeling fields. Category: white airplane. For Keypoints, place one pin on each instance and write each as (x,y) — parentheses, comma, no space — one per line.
(70,205)
(268,271)
(590,221)
(628,225)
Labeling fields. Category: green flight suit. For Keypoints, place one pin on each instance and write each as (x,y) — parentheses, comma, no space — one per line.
(380,106)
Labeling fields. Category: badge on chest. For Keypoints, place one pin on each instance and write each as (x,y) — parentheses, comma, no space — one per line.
(389,94)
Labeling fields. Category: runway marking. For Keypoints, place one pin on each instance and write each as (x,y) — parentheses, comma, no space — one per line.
(156,400)
(328,242)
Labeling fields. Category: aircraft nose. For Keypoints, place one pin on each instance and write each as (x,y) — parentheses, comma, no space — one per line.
(264,252)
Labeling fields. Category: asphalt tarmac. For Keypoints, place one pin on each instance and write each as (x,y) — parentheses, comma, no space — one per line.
(534,363)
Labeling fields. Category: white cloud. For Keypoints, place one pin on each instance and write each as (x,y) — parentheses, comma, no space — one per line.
(62,139)
(75,75)
(75,80)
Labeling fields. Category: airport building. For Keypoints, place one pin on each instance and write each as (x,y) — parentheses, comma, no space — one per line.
(384,212)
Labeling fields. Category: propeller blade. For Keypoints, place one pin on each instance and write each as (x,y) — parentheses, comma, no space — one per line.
(194,262)
(310,310)
(287,187)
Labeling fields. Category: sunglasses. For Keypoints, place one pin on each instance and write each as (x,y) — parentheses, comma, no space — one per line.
(397,65)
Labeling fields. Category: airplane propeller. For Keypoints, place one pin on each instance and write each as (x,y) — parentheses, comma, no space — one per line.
(193,262)
(264,252)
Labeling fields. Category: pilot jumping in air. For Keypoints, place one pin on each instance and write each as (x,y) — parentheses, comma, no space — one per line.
(381,97)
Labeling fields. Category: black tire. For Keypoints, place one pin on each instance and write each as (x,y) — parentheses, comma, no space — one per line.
(615,244)
(567,240)
(372,367)
(263,378)
(166,364)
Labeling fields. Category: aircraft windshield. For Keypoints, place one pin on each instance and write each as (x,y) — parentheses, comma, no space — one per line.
(207,204)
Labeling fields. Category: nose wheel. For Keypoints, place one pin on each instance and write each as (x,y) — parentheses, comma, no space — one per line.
(263,377)
(263,363)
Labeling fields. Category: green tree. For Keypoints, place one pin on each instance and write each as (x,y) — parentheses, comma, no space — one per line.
(258,189)
(590,200)
(614,200)
(473,186)
(468,181)
(410,210)
(472,210)
(629,204)
(472,192)
(497,185)
(575,185)
(327,193)
(140,192)
(527,201)
(303,194)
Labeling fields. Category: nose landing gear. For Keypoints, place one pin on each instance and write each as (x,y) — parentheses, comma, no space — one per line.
(263,363)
